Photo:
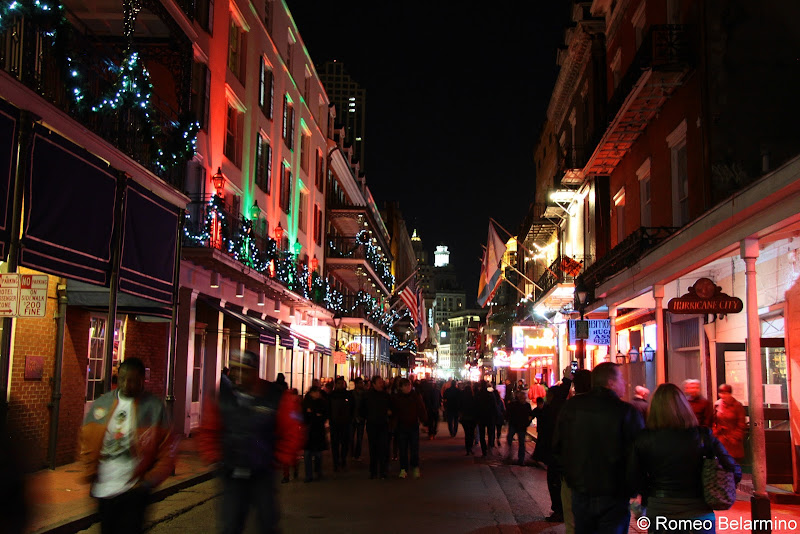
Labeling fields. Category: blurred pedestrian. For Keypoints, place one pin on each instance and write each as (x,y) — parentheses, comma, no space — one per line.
(357,436)
(377,411)
(730,427)
(581,384)
(433,403)
(127,449)
(468,415)
(408,411)
(487,416)
(500,415)
(15,509)
(451,396)
(701,406)
(519,415)
(246,436)
(639,401)
(666,462)
(293,400)
(225,382)
(315,413)
(280,381)
(593,438)
(342,407)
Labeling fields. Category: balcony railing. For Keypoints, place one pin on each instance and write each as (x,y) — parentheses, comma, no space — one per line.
(71,68)
(561,271)
(360,247)
(624,255)
(665,47)
(362,305)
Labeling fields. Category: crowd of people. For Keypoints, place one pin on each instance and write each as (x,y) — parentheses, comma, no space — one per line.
(599,450)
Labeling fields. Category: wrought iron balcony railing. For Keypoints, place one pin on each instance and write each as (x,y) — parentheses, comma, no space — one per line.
(665,47)
(361,247)
(625,254)
(72,69)
(563,270)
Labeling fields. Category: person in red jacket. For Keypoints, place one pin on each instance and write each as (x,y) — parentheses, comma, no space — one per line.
(730,427)
(248,435)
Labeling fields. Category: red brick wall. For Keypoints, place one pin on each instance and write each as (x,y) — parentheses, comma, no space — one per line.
(29,414)
(73,383)
(150,343)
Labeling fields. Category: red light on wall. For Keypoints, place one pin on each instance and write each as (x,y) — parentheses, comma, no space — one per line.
(314,263)
(279,234)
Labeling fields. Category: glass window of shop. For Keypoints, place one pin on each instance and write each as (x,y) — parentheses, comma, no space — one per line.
(95,369)
(773,353)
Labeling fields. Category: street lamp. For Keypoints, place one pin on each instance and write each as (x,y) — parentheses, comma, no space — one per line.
(337,322)
(218,179)
(255,211)
(648,353)
(580,344)
(633,354)
(620,358)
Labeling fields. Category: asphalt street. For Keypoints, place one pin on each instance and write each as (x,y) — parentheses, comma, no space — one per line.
(456,494)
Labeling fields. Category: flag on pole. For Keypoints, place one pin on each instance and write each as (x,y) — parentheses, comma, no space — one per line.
(422,324)
(490,267)
(410,297)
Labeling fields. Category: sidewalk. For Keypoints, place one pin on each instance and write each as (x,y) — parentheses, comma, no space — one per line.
(61,501)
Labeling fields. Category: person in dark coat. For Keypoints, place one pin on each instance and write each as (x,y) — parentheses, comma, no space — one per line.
(408,410)
(500,415)
(519,415)
(315,413)
(729,422)
(377,410)
(486,409)
(468,415)
(702,407)
(666,462)
(342,407)
(433,402)
(359,423)
(592,442)
(451,396)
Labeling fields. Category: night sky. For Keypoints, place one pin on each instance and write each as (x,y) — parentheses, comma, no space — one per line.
(455,102)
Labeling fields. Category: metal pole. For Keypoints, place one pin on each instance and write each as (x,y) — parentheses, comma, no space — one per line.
(759,502)
(55,403)
(173,322)
(661,366)
(580,347)
(116,258)
(21,170)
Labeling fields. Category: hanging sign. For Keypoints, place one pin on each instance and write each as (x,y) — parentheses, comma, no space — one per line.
(339,357)
(594,331)
(705,297)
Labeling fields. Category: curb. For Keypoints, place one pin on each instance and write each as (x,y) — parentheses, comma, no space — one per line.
(77,524)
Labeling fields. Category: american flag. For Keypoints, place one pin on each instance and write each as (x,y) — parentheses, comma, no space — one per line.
(410,297)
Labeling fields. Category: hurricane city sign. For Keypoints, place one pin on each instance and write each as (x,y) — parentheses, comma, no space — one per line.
(705,297)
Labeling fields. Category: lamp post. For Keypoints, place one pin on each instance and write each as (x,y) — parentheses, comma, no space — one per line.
(580,344)
(337,322)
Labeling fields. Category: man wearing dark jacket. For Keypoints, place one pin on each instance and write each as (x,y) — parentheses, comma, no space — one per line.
(592,442)
(408,411)
(486,409)
(451,396)
(377,410)
(341,419)
(519,415)
(357,438)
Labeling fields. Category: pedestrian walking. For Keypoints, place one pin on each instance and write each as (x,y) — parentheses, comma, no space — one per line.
(639,401)
(451,397)
(701,406)
(315,413)
(341,408)
(127,449)
(377,410)
(487,416)
(433,403)
(246,435)
(519,415)
(500,414)
(593,439)
(359,423)
(581,384)
(408,411)
(729,424)
(468,416)
(666,462)
(293,400)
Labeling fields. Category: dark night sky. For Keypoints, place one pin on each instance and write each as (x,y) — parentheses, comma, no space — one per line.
(455,101)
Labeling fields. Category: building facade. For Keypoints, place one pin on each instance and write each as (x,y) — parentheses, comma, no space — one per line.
(350,100)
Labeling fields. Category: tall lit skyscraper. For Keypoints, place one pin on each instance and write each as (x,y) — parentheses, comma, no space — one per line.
(350,100)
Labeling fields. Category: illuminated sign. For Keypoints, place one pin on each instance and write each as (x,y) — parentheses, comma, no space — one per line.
(518,360)
(501,358)
(531,340)
(599,332)
(353,347)
(705,297)
(320,334)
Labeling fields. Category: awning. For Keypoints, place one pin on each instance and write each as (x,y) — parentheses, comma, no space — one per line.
(9,124)
(69,218)
(266,330)
(96,297)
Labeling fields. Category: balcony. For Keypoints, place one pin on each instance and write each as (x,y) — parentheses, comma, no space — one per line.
(624,255)
(351,253)
(82,72)
(362,307)
(659,67)
(571,163)
(222,240)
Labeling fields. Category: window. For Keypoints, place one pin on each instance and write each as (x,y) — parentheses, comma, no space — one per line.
(317,224)
(201,86)
(264,164)
(616,67)
(237,51)
(289,52)
(266,88)
(645,199)
(676,141)
(268,15)
(619,210)
(233,135)
(286,189)
(319,177)
(95,385)
(305,142)
(302,211)
(307,87)
(204,14)
(288,121)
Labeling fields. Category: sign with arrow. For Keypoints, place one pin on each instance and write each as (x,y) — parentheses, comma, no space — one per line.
(9,294)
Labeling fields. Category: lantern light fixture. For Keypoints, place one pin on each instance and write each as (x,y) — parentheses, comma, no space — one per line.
(214,279)
(277,308)
(240,289)
(633,354)
(620,358)
(298,248)
(255,211)
(260,298)
(279,233)
(218,179)
(648,353)
(314,263)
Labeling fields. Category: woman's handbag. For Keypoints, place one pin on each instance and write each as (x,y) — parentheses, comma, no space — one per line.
(719,486)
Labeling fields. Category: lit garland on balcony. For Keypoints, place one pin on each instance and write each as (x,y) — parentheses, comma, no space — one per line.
(45,13)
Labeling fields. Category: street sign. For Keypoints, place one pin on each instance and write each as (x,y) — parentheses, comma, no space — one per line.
(32,295)
(9,294)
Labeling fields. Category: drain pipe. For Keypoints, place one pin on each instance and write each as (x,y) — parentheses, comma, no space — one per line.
(55,403)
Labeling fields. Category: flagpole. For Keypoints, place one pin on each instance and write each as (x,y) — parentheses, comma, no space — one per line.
(515,287)
(519,272)
(404,282)
(523,247)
